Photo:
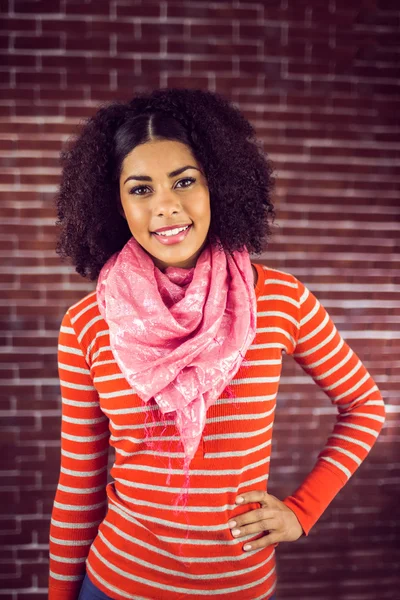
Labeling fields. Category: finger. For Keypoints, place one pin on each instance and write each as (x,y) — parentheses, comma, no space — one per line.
(261,525)
(262,542)
(253,496)
(251,516)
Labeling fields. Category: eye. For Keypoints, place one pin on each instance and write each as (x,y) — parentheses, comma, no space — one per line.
(143,187)
(190,179)
(135,189)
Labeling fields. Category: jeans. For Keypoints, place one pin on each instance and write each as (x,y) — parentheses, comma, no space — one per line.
(90,592)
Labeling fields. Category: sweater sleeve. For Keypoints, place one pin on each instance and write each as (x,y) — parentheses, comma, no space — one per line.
(80,500)
(324,355)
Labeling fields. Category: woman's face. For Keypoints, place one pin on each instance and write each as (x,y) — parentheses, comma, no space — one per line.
(152,197)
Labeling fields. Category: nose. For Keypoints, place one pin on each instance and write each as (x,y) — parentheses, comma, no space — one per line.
(166,204)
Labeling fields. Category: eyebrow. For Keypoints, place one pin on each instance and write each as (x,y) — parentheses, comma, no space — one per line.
(172,174)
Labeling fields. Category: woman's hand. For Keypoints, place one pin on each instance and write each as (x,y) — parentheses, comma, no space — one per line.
(274,517)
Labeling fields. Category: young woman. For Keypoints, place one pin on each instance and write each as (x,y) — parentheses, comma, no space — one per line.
(174,361)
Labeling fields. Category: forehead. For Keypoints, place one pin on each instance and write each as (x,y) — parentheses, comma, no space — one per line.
(161,154)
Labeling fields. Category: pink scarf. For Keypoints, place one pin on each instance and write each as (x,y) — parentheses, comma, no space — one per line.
(179,336)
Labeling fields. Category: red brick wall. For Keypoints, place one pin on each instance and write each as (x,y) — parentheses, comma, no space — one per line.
(320,81)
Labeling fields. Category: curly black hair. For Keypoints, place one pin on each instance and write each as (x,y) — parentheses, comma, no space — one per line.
(238,173)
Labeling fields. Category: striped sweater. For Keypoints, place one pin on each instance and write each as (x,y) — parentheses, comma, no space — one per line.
(127,534)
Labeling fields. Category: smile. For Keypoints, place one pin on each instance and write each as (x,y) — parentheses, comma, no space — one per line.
(168,239)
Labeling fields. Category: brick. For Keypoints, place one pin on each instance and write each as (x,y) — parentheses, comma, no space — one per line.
(32,555)
(198,65)
(36,7)
(33,596)
(130,45)
(75,27)
(15,24)
(18,421)
(137,9)
(215,12)
(196,81)
(27,61)
(119,28)
(99,43)
(90,8)
(202,30)
(390,5)
(272,69)
(37,42)
(117,63)
(98,78)
(40,78)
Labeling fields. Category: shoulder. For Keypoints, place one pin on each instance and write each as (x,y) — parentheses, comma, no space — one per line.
(84,309)
(276,278)
(85,319)
(278,307)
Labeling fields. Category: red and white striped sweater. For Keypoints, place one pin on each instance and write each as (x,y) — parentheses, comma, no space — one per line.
(127,534)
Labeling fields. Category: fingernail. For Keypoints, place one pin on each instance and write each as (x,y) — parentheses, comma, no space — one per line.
(232,524)
(247,547)
(239,499)
(236,532)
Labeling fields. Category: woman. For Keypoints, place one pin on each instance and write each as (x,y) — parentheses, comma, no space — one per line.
(175,359)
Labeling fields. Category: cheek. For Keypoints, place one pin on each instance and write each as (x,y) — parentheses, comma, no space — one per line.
(136,218)
(207,214)
(202,211)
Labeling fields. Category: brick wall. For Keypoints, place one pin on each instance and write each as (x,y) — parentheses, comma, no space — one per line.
(320,81)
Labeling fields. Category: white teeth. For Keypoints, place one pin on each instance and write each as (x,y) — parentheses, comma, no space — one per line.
(172,231)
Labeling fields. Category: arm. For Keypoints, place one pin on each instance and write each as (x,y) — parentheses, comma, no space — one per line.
(326,357)
(80,501)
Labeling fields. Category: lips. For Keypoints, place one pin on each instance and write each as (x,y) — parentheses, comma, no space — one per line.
(168,240)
